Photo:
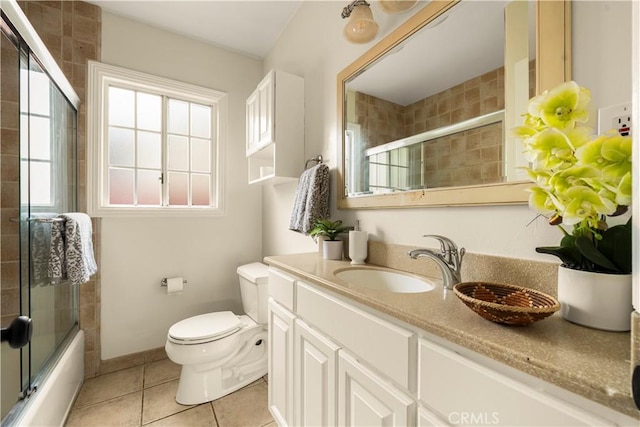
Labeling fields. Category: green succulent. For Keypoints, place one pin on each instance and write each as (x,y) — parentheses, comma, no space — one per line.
(327,228)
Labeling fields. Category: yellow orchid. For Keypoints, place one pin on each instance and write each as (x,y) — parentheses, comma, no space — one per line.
(579,180)
(562,106)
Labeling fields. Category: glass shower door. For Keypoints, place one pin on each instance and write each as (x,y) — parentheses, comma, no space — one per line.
(39,183)
(47,188)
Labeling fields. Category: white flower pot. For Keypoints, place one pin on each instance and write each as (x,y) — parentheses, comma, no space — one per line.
(597,300)
(332,249)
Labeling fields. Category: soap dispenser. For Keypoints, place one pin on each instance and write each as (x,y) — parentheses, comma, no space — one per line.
(357,245)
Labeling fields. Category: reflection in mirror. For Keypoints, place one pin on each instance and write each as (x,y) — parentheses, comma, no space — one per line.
(428,109)
(419,129)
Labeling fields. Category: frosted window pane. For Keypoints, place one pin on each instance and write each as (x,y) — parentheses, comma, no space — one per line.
(40,183)
(178,117)
(40,138)
(200,121)
(178,189)
(121,186)
(199,190)
(149,111)
(121,107)
(120,147)
(148,190)
(200,156)
(178,153)
(149,150)
(39,93)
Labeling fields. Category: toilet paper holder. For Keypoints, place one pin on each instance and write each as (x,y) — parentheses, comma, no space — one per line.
(163,282)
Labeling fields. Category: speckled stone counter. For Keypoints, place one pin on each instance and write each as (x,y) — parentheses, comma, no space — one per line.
(590,363)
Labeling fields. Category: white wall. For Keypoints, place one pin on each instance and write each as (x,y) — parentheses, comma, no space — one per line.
(137,253)
(312,47)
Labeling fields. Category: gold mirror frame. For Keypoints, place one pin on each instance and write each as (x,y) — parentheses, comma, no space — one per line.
(553,66)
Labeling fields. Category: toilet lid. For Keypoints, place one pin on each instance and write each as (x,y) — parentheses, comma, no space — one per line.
(205,326)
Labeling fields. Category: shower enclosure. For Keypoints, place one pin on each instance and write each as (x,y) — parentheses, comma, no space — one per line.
(38,118)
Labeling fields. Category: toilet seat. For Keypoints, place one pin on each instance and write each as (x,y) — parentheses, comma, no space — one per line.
(204,328)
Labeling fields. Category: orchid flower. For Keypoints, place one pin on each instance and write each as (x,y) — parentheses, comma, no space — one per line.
(562,106)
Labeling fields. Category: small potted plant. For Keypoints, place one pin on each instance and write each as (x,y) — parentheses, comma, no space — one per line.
(330,230)
(582,180)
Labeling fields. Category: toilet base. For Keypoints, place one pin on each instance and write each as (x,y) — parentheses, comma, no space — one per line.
(200,383)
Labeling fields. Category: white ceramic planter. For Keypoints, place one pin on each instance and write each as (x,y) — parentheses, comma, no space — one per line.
(597,300)
(332,249)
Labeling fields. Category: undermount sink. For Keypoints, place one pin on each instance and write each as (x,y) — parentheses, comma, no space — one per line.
(384,280)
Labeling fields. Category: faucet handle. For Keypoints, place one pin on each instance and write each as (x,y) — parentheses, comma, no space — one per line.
(446,245)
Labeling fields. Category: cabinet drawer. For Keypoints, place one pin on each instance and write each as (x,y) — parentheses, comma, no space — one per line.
(282,288)
(463,391)
(383,345)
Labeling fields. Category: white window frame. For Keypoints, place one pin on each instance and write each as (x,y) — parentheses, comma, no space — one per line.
(101,77)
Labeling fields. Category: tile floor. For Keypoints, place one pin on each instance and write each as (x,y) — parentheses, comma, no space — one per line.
(145,395)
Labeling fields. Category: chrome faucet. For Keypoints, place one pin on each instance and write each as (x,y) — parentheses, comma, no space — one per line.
(449,259)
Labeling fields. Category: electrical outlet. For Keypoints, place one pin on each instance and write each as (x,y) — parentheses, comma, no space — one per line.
(617,117)
(623,124)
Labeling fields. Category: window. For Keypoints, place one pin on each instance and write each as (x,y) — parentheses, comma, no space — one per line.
(155,145)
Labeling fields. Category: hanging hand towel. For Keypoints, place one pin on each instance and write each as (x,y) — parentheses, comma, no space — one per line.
(57,269)
(40,231)
(79,261)
(312,199)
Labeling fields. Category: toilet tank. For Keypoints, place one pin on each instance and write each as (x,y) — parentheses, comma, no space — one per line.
(253,288)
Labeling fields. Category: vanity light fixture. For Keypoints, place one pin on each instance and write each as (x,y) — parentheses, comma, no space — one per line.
(361,27)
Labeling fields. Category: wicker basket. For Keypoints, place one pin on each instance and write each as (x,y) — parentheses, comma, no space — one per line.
(508,304)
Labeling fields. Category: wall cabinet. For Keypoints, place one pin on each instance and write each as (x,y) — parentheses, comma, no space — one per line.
(275,128)
(332,362)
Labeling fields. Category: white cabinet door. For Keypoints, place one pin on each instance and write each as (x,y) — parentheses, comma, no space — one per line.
(427,418)
(265,128)
(260,120)
(316,359)
(364,399)
(465,392)
(281,324)
(253,117)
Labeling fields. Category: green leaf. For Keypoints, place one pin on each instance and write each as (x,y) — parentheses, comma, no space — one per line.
(589,251)
(569,256)
(616,246)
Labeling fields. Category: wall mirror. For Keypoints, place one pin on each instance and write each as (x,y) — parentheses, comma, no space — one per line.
(423,113)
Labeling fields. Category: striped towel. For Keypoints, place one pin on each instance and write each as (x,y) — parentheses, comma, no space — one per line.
(312,199)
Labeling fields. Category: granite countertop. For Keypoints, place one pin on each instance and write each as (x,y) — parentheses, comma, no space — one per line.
(588,362)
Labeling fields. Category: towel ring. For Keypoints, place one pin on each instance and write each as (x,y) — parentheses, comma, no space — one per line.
(317,159)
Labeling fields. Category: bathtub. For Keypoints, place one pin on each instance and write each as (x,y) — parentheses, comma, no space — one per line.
(51,403)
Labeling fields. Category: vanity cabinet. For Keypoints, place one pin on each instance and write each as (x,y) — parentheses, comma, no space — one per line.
(335,362)
(275,128)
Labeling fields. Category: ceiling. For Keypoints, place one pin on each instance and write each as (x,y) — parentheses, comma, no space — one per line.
(250,27)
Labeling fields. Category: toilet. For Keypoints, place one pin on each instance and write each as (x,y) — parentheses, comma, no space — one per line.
(221,352)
